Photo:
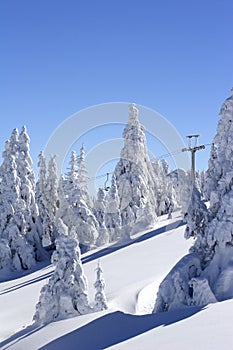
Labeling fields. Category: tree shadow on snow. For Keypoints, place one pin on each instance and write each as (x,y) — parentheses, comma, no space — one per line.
(115,328)
(6,276)
(144,237)
(25,283)
(22,334)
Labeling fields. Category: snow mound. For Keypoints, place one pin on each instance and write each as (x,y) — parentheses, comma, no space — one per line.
(146,299)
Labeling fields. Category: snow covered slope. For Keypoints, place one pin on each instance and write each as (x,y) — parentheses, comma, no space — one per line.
(132,274)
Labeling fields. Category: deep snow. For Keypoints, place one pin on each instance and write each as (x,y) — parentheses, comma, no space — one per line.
(132,274)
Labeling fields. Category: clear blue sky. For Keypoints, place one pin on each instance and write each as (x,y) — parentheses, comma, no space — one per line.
(60,56)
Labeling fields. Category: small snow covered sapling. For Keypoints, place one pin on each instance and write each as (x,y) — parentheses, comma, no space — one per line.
(100,297)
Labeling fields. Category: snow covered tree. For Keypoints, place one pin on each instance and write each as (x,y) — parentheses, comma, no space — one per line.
(29,207)
(73,170)
(22,252)
(174,291)
(10,186)
(18,249)
(51,203)
(200,181)
(160,186)
(74,210)
(113,220)
(196,216)
(200,291)
(65,295)
(64,210)
(17,252)
(211,179)
(99,212)
(181,184)
(100,297)
(134,176)
(5,254)
(211,278)
(218,237)
(71,183)
(40,192)
(165,191)
(165,166)
(61,227)
(76,213)
(83,177)
(86,224)
(47,199)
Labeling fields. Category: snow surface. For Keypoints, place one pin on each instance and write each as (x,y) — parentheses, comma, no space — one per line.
(132,274)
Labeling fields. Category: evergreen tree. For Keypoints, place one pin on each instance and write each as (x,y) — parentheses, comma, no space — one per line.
(200,181)
(40,192)
(201,292)
(10,187)
(51,202)
(181,187)
(65,294)
(86,224)
(165,188)
(83,177)
(196,216)
(218,236)
(134,176)
(99,212)
(165,166)
(76,213)
(113,220)
(74,198)
(160,186)
(5,254)
(171,199)
(29,208)
(17,251)
(211,178)
(71,183)
(64,210)
(100,297)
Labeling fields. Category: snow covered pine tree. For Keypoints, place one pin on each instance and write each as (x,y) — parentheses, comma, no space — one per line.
(113,220)
(99,212)
(20,240)
(73,199)
(65,294)
(100,297)
(135,179)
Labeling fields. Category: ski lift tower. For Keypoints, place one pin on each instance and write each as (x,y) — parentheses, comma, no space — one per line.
(193,149)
